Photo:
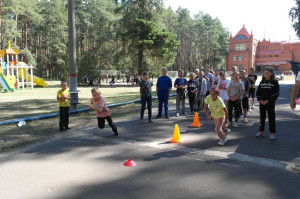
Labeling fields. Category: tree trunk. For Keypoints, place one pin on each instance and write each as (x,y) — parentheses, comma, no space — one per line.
(1,9)
(140,60)
(25,31)
(16,19)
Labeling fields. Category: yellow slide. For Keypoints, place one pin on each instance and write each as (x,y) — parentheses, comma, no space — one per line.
(38,81)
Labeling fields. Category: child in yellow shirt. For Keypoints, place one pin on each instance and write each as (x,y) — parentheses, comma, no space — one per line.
(63,97)
(218,112)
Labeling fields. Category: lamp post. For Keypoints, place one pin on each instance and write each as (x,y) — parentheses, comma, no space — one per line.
(72,54)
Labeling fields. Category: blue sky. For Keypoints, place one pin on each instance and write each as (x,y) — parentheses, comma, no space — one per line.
(269,18)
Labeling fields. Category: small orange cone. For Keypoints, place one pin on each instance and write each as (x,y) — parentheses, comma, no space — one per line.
(176,135)
(196,122)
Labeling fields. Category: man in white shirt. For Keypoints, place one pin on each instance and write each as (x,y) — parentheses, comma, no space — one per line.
(295,91)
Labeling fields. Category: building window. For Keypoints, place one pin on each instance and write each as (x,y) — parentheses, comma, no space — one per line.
(239,47)
(234,58)
(241,37)
(270,55)
(276,55)
(240,58)
(265,56)
(258,56)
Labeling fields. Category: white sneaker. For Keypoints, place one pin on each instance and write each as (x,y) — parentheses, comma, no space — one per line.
(235,124)
(272,136)
(227,131)
(253,107)
(245,120)
(222,142)
(177,115)
(248,113)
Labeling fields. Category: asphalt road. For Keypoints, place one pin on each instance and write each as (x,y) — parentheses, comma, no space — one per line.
(88,162)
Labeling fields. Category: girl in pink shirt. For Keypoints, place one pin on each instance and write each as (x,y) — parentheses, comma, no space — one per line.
(102,111)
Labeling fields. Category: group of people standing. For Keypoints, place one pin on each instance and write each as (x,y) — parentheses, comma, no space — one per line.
(208,91)
(224,98)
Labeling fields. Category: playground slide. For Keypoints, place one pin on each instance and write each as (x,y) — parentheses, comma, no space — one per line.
(4,83)
(38,81)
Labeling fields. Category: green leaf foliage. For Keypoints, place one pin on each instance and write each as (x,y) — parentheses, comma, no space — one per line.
(129,36)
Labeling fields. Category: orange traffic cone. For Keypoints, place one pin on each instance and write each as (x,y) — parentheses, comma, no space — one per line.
(196,122)
(176,135)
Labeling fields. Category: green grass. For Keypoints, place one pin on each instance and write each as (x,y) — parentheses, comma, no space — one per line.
(28,102)
(24,103)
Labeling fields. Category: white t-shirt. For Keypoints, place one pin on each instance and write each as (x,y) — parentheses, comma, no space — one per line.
(298,76)
(223,93)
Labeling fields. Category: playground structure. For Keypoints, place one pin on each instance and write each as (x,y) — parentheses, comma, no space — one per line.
(14,74)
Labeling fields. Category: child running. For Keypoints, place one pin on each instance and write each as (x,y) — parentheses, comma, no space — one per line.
(102,111)
(63,97)
(218,112)
(267,93)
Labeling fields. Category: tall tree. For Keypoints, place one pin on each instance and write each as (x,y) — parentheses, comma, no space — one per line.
(295,16)
(139,31)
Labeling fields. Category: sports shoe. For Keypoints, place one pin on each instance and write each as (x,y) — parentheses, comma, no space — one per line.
(260,134)
(68,128)
(248,112)
(115,130)
(229,124)
(227,131)
(272,136)
(141,121)
(235,124)
(245,120)
(158,117)
(167,117)
(150,121)
(253,107)
(222,142)
(177,115)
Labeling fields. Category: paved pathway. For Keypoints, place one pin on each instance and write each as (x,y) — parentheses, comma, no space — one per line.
(87,162)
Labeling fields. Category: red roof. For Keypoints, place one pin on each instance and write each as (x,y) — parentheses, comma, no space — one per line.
(243,31)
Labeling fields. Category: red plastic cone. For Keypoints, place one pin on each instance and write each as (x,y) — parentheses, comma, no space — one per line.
(196,122)
(129,163)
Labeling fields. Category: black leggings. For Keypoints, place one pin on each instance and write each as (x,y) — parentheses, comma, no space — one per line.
(236,105)
(101,122)
(192,101)
(263,109)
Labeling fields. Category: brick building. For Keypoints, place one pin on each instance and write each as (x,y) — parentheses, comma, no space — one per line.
(245,51)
